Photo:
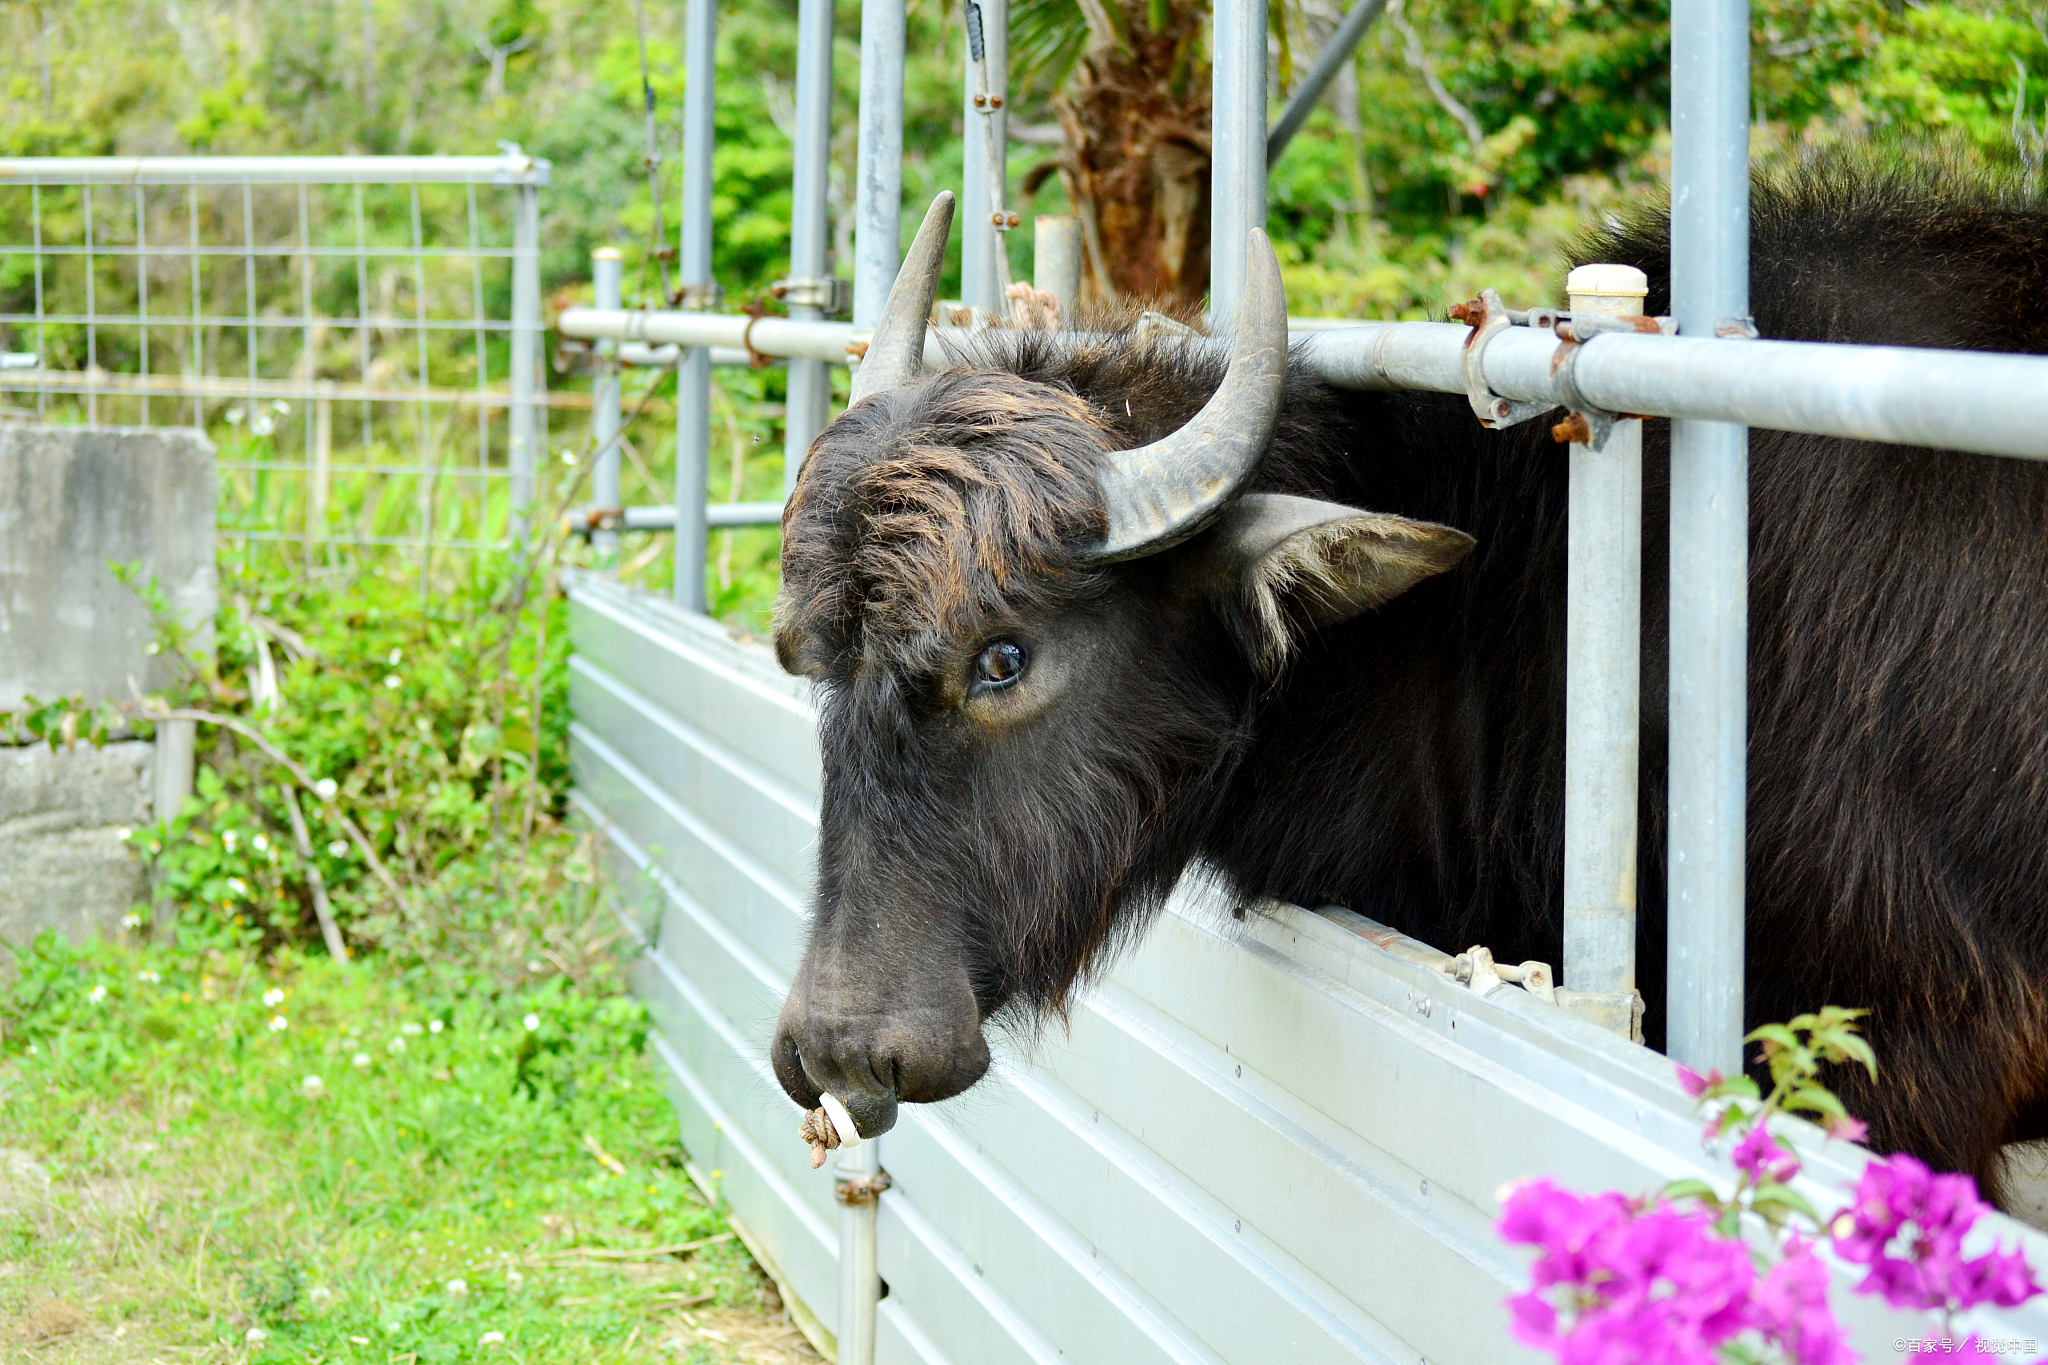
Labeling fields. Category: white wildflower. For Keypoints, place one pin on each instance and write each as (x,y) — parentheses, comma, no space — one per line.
(273,997)
(228,838)
(326,788)
(320,1295)
(360,1061)
(97,994)
(238,886)
(396,655)
(337,849)
(458,1288)
(151,977)
(262,424)
(532,1022)
(395,1046)
(411,1028)
(234,416)
(434,1026)
(513,1279)
(491,1339)
(259,843)
(256,1336)
(280,407)
(133,919)
(126,834)
(278,1023)
(391,681)
(312,1087)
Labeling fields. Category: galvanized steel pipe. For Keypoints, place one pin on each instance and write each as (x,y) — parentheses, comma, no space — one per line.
(524,417)
(1056,261)
(1328,63)
(878,175)
(1709,542)
(607,269)
(1602,647)
(693,374)
(810,384)
(1237,168)
(1979,401)
(512,167)
(982,272)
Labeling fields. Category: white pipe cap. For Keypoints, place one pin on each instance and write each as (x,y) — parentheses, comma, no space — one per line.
(1608,281)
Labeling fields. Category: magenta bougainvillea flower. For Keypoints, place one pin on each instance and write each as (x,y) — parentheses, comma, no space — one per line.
(1695,1084)
(1848,1129)
(1640,1282)
(1760,1157)
(1790,1306)
(1907,1224)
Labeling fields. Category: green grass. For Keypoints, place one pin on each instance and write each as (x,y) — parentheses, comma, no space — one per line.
(174,1183)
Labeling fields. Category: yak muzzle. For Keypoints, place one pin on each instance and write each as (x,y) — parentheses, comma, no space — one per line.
(876,1042)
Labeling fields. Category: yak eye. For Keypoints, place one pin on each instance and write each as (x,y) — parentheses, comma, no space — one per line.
(998,665)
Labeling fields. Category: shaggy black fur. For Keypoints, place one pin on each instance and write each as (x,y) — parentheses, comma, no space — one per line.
(1409,763)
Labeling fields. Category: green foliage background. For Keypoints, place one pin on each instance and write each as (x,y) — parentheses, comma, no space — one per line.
(1561,89)
(1396,199)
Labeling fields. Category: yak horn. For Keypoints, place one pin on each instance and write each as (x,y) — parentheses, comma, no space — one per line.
(895,354)
(1159,495)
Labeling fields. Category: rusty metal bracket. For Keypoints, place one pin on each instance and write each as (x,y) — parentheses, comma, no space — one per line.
(830,295)
(1488,317)
(853,1191)
(1586,424)
(699,298)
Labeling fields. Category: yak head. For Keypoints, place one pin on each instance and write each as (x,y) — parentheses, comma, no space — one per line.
(1034,654)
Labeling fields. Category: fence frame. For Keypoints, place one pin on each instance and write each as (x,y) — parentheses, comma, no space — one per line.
(525,401)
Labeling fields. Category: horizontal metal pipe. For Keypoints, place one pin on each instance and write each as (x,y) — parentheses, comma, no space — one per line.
(514,168)
(1979,401)
(772,336)
(716,514)
(638,355)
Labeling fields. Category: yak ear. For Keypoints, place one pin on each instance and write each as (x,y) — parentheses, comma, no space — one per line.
(1280,565)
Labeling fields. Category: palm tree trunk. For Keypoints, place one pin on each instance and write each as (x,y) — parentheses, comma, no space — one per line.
(1135,115)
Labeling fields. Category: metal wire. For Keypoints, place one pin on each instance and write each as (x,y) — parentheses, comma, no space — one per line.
(97,308)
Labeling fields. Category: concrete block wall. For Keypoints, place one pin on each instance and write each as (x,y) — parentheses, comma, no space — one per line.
(72,499)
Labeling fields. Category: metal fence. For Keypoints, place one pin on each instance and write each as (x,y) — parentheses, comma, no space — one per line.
(1274,1134)
(1280,1142)
(362,334)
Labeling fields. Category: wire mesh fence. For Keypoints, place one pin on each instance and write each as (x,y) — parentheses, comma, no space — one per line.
(360,335)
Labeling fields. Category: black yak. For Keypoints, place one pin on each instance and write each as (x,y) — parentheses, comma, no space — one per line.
(1075,625)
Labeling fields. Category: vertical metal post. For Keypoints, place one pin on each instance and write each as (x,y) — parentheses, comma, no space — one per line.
(693,372)
(1056,260)
(524,415)
(1237,168)
(983,271)
(607,269)
(878,195)
(1709,540)
(860,1282)
(810,383)
(1603,646)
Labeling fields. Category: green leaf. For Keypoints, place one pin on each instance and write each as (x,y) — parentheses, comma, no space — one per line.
(1815,1099)
(1693,1189)
(1773,1034)
(1771,1195)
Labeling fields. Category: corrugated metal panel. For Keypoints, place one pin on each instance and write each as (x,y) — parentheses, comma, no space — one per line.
(1261,1139)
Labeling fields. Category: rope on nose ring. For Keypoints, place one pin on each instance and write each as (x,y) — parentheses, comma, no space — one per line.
(827,1128)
